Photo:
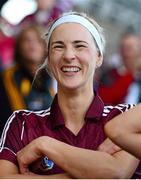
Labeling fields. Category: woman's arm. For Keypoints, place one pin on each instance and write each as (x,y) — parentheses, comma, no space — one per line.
(78,162)
(8,170)
(108,146)
(125,130)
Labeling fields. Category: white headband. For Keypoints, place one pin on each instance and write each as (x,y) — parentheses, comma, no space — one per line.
(81,20)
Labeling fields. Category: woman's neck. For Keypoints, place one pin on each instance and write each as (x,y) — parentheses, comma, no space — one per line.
(74,106)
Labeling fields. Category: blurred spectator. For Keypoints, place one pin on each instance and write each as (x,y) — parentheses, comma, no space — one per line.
(134,91)
(5,109)
(115,82)
(47,10)
(7,44)
(30,52)
(65,6)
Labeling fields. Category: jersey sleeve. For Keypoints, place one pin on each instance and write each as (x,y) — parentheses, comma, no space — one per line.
(112,111)
(11,138)
(124,107)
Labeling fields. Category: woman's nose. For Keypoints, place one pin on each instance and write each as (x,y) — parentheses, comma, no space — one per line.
(69,54)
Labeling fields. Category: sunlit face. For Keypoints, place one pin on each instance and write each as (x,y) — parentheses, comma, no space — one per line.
(73,56)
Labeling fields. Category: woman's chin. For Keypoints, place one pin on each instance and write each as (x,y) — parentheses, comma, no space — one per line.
(72,87)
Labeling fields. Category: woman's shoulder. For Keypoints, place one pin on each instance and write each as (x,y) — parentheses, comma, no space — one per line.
(22,116)
(110,111)
(25,113)
(122,107)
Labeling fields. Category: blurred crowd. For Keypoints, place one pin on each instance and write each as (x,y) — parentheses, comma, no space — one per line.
(22,53)
(120,80)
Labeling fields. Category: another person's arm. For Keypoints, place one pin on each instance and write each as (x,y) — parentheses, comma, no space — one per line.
(125,130)
(78,162)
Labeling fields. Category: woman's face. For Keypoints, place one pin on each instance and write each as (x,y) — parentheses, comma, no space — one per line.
(32,47)
(73,56)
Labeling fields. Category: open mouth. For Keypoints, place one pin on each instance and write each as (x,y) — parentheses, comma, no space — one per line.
(70,69)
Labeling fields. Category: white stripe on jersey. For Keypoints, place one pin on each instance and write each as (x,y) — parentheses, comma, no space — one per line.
(104,114)
(6,127)
(10,119)
(9,150)
(120,107)
(22,130)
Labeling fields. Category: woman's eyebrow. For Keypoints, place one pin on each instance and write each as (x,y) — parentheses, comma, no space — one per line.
(79,41)
(74,42)
(57,42)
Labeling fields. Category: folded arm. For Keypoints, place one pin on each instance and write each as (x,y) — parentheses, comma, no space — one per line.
(8,170)
(78,162)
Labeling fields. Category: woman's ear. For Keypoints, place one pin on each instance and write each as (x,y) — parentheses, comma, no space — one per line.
(99,61)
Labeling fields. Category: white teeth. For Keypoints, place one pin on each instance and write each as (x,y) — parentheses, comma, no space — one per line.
(70,69)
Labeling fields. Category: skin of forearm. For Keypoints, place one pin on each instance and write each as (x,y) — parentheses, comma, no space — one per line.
(82,163)
(30,176)
(132,143)
(127,122)
(123,128)
(129,141)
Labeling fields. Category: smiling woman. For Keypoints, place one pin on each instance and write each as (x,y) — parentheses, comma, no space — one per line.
(70,132)
(72,59)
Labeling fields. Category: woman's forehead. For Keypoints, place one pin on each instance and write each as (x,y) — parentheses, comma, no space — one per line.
(68,30)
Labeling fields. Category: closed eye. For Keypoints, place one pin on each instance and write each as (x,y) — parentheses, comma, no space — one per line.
(80,45)
(57,46)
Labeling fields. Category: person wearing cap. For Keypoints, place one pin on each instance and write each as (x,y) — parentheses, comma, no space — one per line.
(63,141)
